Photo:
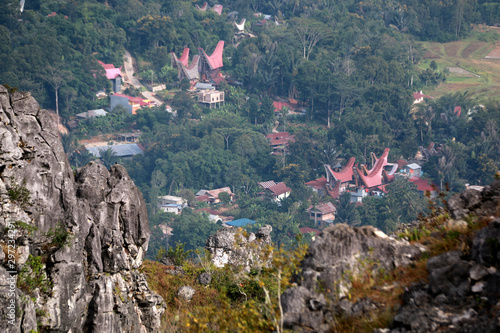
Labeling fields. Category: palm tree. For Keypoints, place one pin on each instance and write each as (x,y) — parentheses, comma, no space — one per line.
(425,113)
(445,163)
(346,211)
(108,157)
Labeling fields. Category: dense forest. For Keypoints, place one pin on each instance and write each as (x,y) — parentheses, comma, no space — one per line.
(352,65)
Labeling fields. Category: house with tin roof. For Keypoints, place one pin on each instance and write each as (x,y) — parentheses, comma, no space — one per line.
(212,196)
(275,191)
(130,103)
(91,114)
(322,214)
(124,150)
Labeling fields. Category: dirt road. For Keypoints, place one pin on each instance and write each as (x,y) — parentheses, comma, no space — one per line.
(130,79)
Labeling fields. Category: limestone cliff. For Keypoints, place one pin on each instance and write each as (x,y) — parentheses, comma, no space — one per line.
(77,237)
(446,280)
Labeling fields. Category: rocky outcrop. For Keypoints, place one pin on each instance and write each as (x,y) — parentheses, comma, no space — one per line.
(335,258)
(83,234)
(236,247)
(463,288)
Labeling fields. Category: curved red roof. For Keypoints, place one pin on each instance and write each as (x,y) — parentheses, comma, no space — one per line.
(344,175)
(335,192)
(218,9)
(184,59)
(374,178)
(202,8)
(318,183)
(215,60)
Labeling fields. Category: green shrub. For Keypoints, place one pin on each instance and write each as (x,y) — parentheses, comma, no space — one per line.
(59,236)
(19,193)
(33,276)
(177,254)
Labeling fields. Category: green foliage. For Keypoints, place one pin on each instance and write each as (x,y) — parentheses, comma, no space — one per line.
(160,254)
(59,236)
(33,276)
(18,193)
(20,225)
(177,254)
(225,197)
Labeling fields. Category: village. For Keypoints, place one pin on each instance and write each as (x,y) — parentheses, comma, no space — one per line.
(200,78)
(204,75)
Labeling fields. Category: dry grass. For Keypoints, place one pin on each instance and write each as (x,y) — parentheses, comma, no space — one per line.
(386,289)
(452,49)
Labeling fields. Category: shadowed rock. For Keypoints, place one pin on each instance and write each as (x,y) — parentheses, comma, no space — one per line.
(338,255)
(94,285)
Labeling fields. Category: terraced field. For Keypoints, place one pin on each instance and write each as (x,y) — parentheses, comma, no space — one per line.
(474,66)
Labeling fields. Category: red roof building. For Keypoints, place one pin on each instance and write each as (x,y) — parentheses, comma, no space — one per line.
(374,178)
(280,190)
(213,195)
(344,175)
(210,65)
(322,213)
(307,230)
(423,185)
(111,71)
(418,97)
(318,185)
(202,66)
(277,191)
(279,142)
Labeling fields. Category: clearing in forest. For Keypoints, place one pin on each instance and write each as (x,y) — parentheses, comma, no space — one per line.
(473,64)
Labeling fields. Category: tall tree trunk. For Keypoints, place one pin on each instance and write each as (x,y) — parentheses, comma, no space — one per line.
(57,107)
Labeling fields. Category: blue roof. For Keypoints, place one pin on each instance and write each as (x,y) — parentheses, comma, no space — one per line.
(240,222)
(129,149)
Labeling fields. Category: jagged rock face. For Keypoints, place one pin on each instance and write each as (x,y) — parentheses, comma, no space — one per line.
(337,255)
(232,246)
(470,201)
(464,286)
(92,278)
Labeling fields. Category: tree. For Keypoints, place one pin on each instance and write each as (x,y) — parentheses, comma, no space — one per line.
(56,77)
(346,210)
(224,197)
(108,157)
(193,229)
(185,84)
(158,181)
(309,32)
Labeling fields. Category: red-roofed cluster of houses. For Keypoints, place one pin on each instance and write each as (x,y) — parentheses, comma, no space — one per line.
(360,182)
(202,67)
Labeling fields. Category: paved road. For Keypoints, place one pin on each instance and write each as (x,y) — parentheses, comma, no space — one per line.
(133,81)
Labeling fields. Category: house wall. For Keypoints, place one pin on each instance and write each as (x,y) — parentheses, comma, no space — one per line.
(282,196)
(119,100)
(174,210)
(117,84)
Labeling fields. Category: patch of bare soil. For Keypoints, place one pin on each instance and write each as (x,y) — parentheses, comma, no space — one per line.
(461,72)
(430,55)
(495,54)
(452,49)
